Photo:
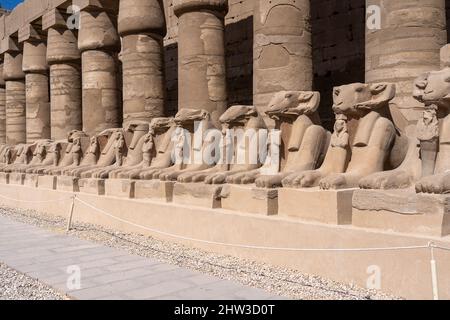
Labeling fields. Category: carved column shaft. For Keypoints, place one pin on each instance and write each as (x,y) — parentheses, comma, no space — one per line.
(142,27)
(15,98)
(2,107)
(37,90)
(201,55)
(64,57)
(406,45)
(282,50)
(99,43)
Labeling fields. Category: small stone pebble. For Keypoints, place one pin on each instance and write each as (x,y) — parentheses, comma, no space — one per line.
(17,286)
(276,280)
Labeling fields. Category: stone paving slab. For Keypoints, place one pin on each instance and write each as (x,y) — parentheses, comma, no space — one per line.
(108,273)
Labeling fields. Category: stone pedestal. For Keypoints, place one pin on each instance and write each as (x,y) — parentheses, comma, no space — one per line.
(250,199)
(47,182)
(327,206)
(4,178)
(65,183)
(197,194)
(122,188)
(201,55)
(16,178)
(31,180)
(92,186)
(282,50)
(154,189)
(402,211)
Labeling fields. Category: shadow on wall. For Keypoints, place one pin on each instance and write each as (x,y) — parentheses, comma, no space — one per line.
(447,10)
(338,39)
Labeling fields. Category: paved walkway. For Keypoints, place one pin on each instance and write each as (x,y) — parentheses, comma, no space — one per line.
(107,273)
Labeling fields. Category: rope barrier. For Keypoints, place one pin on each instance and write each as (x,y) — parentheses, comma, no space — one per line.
(431,246)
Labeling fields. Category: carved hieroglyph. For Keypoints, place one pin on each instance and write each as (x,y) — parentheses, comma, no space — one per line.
(282,54)
(363,114)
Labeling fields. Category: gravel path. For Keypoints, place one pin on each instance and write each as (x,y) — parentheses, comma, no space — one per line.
(279,281)
(17,286)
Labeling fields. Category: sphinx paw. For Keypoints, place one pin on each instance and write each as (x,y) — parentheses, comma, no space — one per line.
(333,182)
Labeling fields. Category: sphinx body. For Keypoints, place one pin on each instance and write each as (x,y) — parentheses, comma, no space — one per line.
(191,140)
(427,163)
(303,140)
(362,141)
(155,149)
(238,146)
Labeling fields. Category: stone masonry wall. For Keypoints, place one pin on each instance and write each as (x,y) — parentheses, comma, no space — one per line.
(338,49)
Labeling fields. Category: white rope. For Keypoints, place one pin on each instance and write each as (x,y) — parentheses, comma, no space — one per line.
(36,201)
(250,246)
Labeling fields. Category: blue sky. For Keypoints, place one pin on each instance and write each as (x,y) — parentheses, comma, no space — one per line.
(9,4)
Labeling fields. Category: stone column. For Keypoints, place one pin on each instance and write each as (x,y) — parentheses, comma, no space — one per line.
(64,60)
(282,49)
(37,88)
(142,27)
(15,98)
(99,44)
(2,107)
(201,55)
(406,45)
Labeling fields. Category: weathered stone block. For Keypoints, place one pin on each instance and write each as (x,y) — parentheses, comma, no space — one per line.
(16,178)
(47,182)
(4,178)
(197,194)
(402,211)
(31,180)
(68,184)
(154,189)
(327,206)
(250,199)
(122,188)
(92,186)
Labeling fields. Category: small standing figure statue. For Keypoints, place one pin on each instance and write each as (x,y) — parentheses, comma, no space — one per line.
(428,135)
(147,148)
(340,137)
(179,145)
(55,150)
(119,146)
(8,156)
(76,150)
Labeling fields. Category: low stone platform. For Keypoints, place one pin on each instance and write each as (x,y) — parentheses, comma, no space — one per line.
(16,178)
(240,228)
(123,188)
(154,189)
(47,182)
(197,194)
(248,198)
(65,183)
(330,206)
(4,178)
(402,211)
(92,186)
(31,180)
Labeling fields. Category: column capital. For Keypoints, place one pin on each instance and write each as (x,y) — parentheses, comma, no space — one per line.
(183,6)
(54,18)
